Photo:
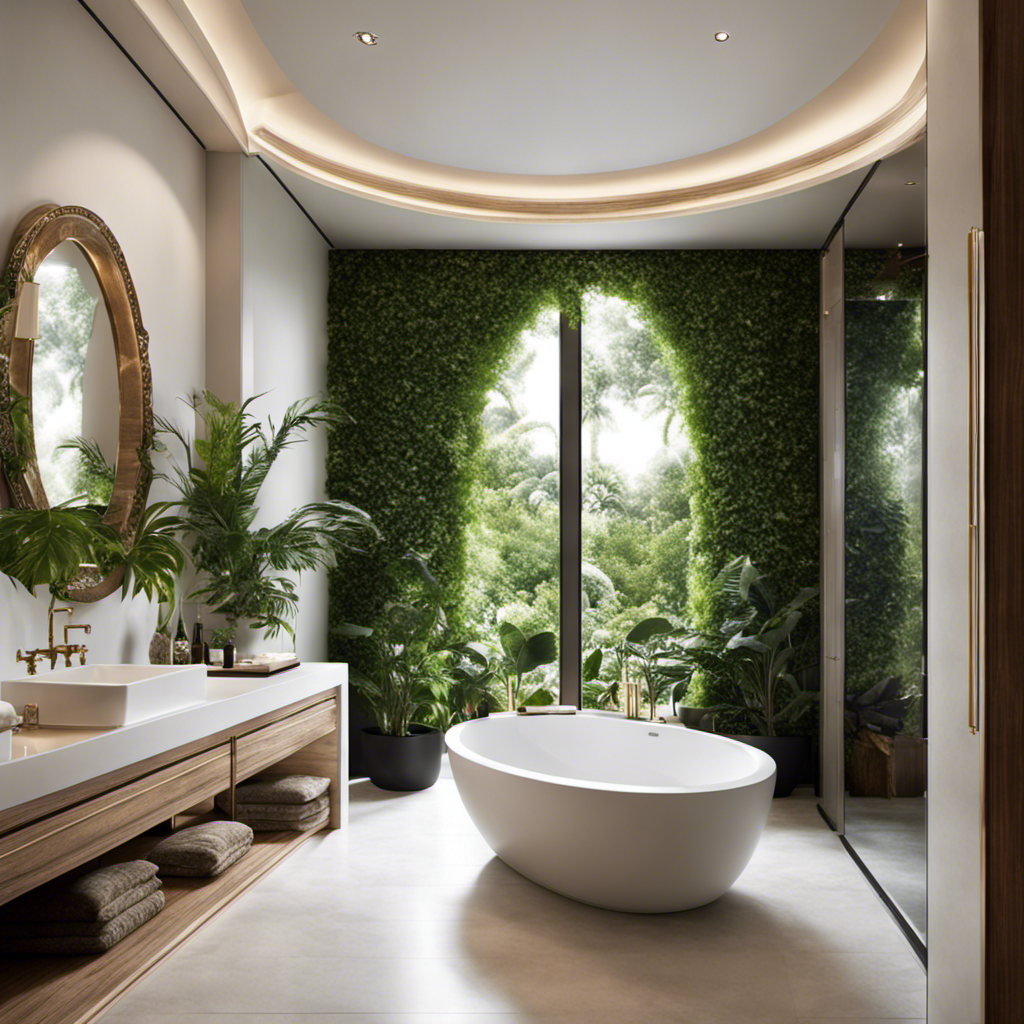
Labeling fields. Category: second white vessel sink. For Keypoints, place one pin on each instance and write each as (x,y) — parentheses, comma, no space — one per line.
(102,696)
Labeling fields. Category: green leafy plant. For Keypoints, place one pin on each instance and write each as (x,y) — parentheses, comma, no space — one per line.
(46,547)
(522,654)
(658,665)
(754,649)
(471,673)
(243,569)
(94,476)
(155,560)
(221,636)
(49,547)
(405,676)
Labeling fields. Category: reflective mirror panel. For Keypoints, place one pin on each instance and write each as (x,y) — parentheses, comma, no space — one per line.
(76,391)
(885,269)
(74,377)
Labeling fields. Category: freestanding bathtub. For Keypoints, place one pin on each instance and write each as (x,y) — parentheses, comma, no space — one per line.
(622,814)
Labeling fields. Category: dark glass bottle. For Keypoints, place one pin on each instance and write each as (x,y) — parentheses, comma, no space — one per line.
(229,655)
(198,644)
(181,646)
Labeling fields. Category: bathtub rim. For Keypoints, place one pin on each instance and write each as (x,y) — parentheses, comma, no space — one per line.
(765,765)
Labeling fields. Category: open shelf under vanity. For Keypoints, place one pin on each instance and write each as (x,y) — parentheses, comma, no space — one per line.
(295,727)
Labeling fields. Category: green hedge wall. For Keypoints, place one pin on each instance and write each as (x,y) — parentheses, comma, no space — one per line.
(417,338)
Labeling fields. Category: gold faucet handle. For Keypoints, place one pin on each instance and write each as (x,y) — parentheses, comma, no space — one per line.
(29,658)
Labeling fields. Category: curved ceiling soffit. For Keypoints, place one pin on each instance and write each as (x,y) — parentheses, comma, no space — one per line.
(876,107)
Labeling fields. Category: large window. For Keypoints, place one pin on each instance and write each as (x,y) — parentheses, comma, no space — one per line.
(624,541)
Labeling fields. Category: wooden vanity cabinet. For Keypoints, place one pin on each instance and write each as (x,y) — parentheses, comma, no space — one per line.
(50,836)
(98,819)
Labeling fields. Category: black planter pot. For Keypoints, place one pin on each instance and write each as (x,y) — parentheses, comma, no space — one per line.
(790,753)
(403,763)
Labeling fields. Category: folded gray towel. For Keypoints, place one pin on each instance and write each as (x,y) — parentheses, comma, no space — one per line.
(280,789)
(202,850)
(282,812)
(48,929)
(76,945)
(289,824)
(91,897)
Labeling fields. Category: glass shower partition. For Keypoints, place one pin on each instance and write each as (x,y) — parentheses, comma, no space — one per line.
(874,697)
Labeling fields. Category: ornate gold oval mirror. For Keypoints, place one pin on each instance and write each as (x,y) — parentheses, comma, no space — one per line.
(60,370)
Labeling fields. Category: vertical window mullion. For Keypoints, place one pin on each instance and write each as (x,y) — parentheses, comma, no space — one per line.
(570,489)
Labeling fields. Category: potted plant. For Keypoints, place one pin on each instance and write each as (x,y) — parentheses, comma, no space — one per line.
(49,546)
(243,569)
(404,679)
(755,651)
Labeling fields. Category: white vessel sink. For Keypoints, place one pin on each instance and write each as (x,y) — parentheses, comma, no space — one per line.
(102,696)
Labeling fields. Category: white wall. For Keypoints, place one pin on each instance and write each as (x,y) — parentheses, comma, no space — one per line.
(264,249)
(284,295)
(954,755)
(81,126)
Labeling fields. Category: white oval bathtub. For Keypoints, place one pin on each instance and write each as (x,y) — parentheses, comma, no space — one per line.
(627,815)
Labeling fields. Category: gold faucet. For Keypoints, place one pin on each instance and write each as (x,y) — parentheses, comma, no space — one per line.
(52,651)
(67,649)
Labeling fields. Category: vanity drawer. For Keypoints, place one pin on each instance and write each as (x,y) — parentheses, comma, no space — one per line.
(269,744)
(43,849)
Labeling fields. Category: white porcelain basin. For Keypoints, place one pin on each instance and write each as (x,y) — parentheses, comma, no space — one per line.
(102,696)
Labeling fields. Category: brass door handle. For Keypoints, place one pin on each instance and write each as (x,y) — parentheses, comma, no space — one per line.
(976,468)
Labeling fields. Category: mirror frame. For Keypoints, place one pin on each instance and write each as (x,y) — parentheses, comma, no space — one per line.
(38,234)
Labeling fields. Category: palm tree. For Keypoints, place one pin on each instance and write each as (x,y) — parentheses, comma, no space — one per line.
(597,385)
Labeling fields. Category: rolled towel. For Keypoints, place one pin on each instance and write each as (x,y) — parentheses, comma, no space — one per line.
(79,945)
(281,789)
(90,897)
(8,716)
(547,709)
(49,929)
(289,824)
(281,812)
(202,850)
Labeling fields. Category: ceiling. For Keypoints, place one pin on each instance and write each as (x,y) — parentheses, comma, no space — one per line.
(887,212)
(565,107)
(563,86)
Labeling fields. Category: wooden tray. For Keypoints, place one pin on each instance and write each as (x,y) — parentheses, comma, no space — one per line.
(263,668)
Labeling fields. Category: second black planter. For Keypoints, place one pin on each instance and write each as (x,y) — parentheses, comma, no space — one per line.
(403,763)
(790,753)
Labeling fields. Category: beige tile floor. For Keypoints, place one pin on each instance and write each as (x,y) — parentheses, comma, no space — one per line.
(410,919)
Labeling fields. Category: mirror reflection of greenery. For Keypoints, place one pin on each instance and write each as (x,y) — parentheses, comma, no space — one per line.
(66,315)
(92,475)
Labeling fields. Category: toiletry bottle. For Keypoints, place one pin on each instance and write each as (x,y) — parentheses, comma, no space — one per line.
(198,645)
(229,654)
(182,653)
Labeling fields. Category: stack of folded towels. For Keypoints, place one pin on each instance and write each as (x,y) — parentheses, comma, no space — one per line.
(202,851)
(274,804)
(86,915)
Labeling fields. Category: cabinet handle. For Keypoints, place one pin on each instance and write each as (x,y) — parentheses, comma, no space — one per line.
(975,514)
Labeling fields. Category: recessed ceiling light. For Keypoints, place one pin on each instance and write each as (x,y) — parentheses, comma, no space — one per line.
(910,183)
(368,38)
(720,37)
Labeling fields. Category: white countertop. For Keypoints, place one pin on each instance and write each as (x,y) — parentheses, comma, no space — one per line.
(67,757)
